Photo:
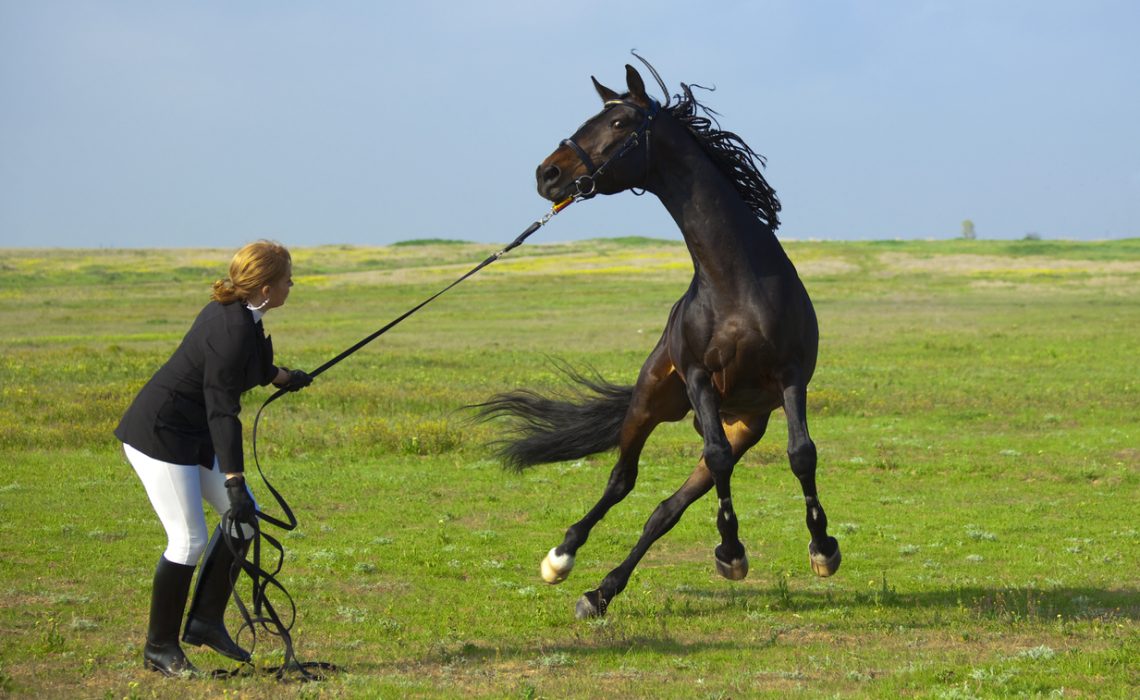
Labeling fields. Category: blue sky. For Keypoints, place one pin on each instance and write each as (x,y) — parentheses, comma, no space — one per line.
(128,124)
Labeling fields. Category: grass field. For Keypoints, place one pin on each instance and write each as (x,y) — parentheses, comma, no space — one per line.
(975,408)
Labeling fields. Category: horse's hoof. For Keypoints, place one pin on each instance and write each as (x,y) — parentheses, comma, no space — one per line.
(590,605)
(734,570)
(824,565)
(556,567)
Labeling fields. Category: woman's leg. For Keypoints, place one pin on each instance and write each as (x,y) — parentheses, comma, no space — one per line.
(175,493)
(205,623)
(177,499)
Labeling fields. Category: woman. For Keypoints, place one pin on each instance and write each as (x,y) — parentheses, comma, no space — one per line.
(183,438)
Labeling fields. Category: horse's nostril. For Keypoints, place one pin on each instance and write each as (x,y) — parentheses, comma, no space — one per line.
(551,173)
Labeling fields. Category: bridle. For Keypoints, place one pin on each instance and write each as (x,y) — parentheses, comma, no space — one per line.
(586,185)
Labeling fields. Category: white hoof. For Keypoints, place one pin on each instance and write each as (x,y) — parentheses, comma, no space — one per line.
(823,566)
(555,567)
(734,570)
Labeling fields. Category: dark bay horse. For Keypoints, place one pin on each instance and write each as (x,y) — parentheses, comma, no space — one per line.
(740,343)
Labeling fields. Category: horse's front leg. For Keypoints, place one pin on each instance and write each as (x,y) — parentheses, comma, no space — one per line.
(823,550)
(658,396)
(742,435)
(718,455)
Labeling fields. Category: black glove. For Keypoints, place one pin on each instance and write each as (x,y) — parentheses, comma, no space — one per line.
(242,509)
(298,379)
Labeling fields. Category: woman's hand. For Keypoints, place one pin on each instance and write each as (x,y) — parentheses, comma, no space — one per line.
(242,509)
(292,379)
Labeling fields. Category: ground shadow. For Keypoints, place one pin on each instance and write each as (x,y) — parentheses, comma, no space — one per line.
(1024,602)
(997,604)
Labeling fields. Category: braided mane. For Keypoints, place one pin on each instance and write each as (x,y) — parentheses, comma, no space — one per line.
(732,157)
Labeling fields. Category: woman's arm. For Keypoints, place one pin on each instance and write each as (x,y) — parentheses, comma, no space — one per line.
(281,378)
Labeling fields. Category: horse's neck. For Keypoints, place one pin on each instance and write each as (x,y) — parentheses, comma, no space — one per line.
(727,241)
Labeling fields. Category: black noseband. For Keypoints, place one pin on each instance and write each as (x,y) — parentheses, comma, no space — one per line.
(582,155)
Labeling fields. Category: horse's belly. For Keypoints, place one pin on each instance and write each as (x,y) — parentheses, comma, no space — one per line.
(743,403)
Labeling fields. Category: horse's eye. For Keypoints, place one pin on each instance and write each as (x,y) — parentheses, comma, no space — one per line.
(617,124)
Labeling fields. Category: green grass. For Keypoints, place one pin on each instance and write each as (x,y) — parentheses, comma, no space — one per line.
(975,409)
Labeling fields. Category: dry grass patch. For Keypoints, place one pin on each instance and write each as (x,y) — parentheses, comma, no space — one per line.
(968,264)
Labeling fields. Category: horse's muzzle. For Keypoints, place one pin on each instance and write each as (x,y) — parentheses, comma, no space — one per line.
(548,176)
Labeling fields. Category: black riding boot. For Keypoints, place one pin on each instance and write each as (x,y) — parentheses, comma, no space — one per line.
(205,623)
(167,602)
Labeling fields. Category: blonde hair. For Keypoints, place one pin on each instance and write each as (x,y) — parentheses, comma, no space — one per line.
(254,266)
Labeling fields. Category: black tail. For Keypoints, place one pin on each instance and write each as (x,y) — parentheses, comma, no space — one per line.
(556,429)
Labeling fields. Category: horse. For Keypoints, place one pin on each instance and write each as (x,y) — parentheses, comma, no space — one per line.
(739,343)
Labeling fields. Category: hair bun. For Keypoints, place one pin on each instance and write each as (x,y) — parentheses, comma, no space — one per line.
(224,291)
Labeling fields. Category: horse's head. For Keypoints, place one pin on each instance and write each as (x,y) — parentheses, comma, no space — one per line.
(607,154)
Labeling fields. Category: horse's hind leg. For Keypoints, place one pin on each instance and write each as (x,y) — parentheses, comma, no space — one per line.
(741,435)
(714,467)
(559,561)
(594,603)
(658,396)
(823,550)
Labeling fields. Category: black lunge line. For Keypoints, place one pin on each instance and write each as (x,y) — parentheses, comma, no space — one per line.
(490,259)
(263,613)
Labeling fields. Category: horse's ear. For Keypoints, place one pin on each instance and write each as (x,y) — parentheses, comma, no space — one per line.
(604,92)
(636,84)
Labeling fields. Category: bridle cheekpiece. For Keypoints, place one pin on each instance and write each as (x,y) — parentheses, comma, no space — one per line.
(586,185)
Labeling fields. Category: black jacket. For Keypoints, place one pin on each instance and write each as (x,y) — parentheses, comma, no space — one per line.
(188,412)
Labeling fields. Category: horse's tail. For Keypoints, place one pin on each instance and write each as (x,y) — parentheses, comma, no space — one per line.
(554,429)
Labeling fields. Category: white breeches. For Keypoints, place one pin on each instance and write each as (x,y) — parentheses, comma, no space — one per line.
(176,491)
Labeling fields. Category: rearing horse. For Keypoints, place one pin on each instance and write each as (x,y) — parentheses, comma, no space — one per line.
(740,343)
